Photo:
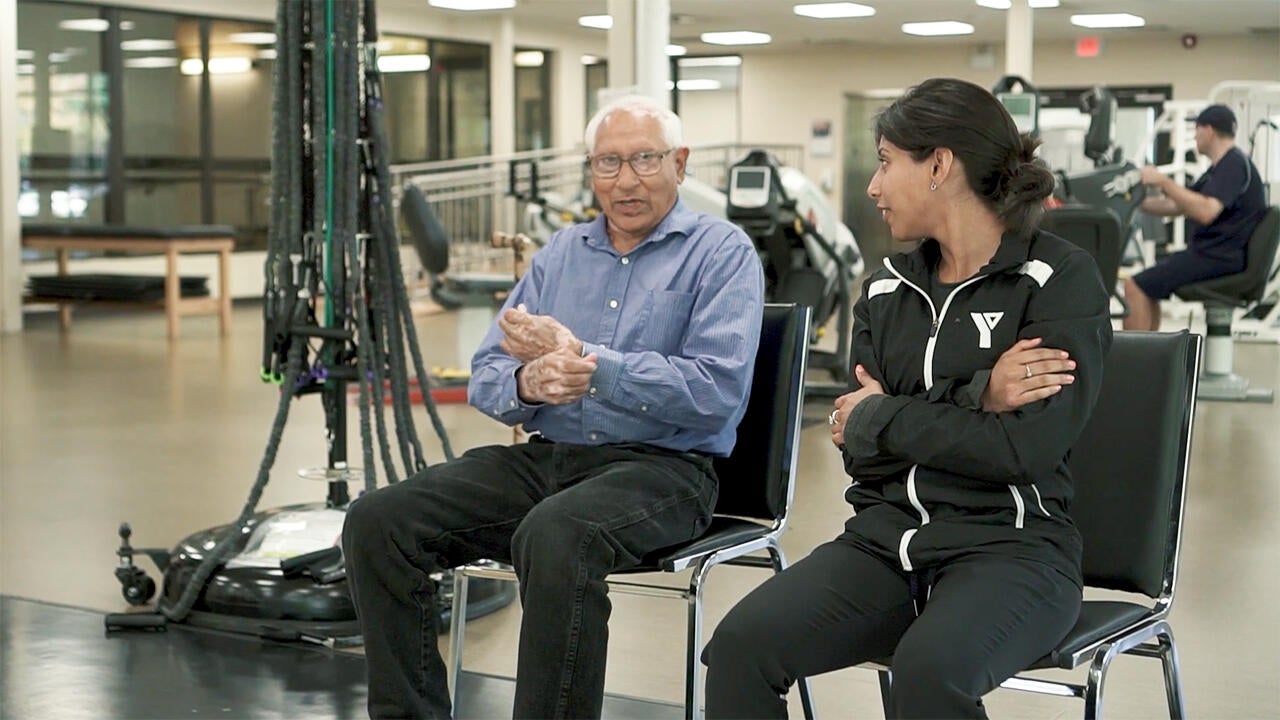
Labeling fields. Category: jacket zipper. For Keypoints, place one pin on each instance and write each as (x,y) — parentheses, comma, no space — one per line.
(929,348)
(938,317)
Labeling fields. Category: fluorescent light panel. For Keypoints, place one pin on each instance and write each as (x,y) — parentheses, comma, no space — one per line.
(599,22)
(937,28)
(714,61)
(695,84)
(85,25)
(147,62)
(1006,4)
(217,66)
(592,59)
(832,10)
(472,5)
(737,37)
(1107,20)
(404,63)
(147,45)
(529,58)
(676,50)
(253,38)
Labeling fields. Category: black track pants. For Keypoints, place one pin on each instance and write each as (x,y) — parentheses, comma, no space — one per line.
(987,617)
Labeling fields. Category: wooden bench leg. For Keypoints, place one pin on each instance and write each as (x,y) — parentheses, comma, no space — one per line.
(224,292)
(172,292)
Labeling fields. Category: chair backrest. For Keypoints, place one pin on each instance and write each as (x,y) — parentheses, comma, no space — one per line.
(1094,229)
(1260,255)
(1249,285)
(1129,467)
(758,478)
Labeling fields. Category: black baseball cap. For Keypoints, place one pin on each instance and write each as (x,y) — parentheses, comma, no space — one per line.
(1218,117)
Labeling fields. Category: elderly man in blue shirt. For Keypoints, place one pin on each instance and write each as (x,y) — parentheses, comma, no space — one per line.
(628,349)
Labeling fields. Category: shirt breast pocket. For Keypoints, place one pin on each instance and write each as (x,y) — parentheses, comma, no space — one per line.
(666,317)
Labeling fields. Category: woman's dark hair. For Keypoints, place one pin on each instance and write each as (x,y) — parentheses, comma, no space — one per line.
(999,162)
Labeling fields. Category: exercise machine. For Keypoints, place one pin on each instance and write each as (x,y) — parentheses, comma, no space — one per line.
(807,260)
(335,315)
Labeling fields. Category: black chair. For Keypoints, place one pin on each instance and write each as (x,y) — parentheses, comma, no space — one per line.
(757,482)
(1098,231)
(1221,296)
(1129,470)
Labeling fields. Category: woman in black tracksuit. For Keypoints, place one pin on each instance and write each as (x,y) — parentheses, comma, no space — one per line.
(978,358)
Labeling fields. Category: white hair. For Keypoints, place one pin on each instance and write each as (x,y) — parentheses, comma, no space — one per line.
(638,106)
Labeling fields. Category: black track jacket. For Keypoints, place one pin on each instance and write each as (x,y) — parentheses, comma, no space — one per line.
(935,477)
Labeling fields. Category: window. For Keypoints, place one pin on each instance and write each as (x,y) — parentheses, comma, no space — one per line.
(533,99)
(63,129)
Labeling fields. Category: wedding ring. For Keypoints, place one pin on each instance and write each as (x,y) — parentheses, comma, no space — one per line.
(834,417)
(1029,373)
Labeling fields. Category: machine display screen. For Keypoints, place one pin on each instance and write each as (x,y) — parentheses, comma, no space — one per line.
(749,179)
(1022,106)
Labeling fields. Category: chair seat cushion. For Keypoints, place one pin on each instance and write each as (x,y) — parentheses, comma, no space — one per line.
(724,532)
(1098,619)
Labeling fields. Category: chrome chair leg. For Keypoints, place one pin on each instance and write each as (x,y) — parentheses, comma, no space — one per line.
(886,693)
(1172,672)
(457,627)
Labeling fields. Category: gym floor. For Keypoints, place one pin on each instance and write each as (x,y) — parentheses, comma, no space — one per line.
(112,422)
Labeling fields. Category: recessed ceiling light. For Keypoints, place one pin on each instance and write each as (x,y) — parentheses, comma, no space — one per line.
(714,61)
(592,59)
(151,61)
(940,27)
(1107,20)
(737,37)
(253,38)
(826,11)
(676,50)
(147,45)
(1006,4)
(529,58)
(472,4)
(599,22)
(217,66)
(416,62)
(695,84)
(85,25)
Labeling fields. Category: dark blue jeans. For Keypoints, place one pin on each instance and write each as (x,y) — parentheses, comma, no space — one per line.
(564,515)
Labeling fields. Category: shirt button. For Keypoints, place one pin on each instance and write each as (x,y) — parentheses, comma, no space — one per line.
(513,403)
(613,304)
(593,391)
(626,261)
(644,408)
(592,436)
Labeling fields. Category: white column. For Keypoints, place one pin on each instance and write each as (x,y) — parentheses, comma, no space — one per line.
(502,88)
(1018,40)
(10,225)
(622,44)
(652,33)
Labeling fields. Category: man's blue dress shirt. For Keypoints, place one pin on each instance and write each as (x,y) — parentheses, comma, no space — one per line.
(675,324)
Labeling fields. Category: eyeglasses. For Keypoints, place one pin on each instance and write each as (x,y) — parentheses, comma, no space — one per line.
(642,163)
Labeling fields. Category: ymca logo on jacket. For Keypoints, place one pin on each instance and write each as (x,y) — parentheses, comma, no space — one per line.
(933,475)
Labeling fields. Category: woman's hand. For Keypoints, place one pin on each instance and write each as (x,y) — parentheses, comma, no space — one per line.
(1026,373)
(845,404)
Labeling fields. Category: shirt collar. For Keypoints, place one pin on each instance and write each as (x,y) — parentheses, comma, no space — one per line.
(680,220)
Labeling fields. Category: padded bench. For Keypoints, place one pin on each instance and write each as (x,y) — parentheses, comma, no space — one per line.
(171,241)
